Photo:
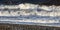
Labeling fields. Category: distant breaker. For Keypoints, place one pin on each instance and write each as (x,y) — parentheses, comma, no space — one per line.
(29,9)
(29,6)
(21,6)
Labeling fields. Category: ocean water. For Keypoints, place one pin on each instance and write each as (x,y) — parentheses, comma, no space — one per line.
(32,18)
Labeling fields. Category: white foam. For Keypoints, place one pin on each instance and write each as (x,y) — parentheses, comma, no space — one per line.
(32,7)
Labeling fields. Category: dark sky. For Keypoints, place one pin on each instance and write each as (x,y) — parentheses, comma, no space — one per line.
(8,2)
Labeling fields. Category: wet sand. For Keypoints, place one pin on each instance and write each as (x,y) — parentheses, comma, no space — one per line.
(25,27)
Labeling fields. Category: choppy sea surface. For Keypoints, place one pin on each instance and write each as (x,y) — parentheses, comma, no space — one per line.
(33,19)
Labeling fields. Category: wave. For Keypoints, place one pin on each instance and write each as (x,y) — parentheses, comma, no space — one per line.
(31,13)
(32,17)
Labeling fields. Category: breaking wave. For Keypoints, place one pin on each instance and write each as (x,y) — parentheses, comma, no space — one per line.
(30,13)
